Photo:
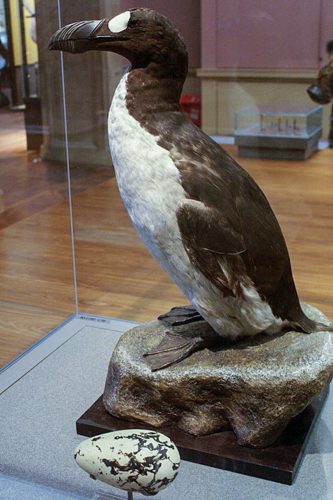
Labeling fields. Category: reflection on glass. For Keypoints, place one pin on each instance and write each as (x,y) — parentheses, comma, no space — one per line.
(116,275)
(36,280)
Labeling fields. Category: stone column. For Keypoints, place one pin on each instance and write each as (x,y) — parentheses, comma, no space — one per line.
(90,80)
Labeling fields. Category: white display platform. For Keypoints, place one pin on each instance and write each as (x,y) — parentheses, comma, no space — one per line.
(66,375)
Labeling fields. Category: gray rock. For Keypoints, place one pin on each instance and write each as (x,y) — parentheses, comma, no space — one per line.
(254,386)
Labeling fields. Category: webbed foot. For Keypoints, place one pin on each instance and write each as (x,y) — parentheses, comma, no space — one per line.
(172,349)
(178,316)
(175,347)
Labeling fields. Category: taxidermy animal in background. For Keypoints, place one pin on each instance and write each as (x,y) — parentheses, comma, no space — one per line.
(199,213)
(321,91)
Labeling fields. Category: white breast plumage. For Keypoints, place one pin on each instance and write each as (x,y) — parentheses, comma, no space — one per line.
(151,190)
(149,185)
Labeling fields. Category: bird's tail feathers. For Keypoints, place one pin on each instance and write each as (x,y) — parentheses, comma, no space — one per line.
(308,325)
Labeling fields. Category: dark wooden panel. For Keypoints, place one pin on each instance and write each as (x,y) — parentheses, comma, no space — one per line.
(278,463)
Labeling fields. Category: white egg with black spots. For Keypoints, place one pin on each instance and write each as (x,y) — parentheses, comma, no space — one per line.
(133,460)
(119,23)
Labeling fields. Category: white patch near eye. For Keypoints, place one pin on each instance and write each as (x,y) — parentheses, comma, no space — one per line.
(120,22)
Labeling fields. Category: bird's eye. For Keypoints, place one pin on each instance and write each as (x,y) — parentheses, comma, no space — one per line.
(119,23)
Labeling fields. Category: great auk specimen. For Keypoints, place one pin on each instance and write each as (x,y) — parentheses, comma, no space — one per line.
(199,213)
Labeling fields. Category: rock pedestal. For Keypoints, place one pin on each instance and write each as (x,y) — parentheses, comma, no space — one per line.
(254,386)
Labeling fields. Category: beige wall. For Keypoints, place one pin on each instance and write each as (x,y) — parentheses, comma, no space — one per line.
(32,53)
(225,91)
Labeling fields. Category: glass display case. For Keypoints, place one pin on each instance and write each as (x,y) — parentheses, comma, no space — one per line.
(276,131)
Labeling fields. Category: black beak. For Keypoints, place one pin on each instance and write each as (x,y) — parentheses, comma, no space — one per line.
(82,36)
(318,95)
(76,37)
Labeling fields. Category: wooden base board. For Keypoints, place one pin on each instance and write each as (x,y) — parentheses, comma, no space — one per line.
(278,463)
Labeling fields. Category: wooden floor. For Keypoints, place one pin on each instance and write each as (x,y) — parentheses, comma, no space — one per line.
(116,275)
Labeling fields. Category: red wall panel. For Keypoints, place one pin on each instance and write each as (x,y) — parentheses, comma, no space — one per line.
(265,33)
(326,27)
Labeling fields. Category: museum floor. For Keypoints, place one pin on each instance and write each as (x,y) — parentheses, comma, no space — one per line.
(116,275)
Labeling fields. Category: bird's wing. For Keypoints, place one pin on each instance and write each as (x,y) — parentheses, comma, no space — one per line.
(214,245)
(239,236)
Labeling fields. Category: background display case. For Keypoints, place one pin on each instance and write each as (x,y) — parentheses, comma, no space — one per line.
(276,131)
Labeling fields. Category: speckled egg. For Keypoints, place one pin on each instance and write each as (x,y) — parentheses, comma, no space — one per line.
(133,460)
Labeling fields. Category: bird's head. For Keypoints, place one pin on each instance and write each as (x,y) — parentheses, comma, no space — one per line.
(142,35)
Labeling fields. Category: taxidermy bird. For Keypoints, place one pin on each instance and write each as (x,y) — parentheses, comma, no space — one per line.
(199,213)
(321,91)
